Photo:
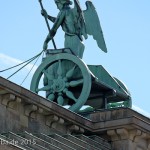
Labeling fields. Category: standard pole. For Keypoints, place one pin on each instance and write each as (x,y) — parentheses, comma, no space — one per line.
(40,1)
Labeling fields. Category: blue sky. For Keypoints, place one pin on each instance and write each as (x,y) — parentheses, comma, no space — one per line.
(126,30)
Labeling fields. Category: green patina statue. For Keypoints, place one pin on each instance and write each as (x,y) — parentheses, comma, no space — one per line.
(76,24)
(67,80)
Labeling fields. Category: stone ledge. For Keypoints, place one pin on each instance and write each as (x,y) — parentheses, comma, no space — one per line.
(35,106)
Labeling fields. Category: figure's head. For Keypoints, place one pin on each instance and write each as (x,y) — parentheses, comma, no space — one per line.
(60,3)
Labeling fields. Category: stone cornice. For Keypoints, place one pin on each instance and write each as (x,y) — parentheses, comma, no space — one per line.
(99,121)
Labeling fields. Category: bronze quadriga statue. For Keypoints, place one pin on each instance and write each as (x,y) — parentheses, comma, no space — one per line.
(67,80)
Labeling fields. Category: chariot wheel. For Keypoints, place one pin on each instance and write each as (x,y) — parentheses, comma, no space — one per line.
(67,80)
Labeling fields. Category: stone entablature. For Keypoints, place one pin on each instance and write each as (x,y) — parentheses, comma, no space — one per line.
(130,139)
(21,110)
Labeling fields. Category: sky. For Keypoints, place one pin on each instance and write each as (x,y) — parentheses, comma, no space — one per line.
(125,25)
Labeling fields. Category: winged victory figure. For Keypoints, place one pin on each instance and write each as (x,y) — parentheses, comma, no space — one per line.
(76,24)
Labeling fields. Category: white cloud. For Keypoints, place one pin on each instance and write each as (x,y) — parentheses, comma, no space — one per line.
(8,61)
(21,76)
(141,111)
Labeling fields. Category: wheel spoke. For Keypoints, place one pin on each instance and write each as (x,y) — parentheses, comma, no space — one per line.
(59,70)
(45,88)
(76,83)
(50,77)
(51,97)
(69,74)
(71,95)
(60,100)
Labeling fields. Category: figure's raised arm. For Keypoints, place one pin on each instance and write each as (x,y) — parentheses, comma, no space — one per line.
(52,19)
(58,21)
(44,13)
(53,31)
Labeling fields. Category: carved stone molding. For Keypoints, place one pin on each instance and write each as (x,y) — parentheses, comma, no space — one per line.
(118,134)
(7,98)
(53,120)
(75,129)
(10,100)
(113,134)
(140,139)
(36,112)
(12,104)
(29,109)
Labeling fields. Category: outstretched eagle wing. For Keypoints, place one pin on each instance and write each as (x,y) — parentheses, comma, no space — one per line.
(93,26)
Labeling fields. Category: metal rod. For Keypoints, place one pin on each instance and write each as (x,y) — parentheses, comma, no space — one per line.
(48,26)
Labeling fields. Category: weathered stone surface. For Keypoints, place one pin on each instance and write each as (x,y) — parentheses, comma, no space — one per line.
(21,110)
(9,147)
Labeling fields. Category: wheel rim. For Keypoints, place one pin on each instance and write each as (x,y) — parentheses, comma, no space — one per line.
(61,85)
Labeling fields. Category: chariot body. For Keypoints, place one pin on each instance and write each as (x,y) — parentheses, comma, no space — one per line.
(67,80)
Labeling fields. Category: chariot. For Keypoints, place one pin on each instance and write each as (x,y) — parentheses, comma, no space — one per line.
(69,82)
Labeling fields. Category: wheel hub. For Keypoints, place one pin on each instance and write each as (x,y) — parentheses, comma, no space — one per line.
(58,85)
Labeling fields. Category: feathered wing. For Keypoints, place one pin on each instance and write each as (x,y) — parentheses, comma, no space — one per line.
(79,19)
(93,26)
